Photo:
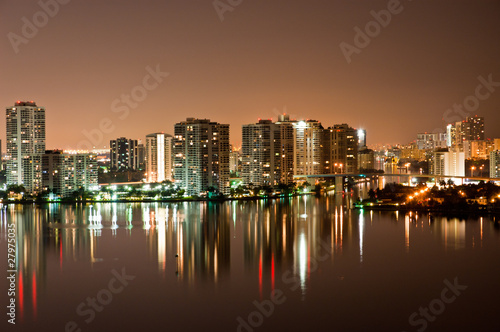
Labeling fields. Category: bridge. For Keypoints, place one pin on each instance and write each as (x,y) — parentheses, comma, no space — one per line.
(366,175)
(340,176)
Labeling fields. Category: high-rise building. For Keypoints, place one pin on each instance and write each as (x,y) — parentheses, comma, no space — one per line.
(462,133)
(267,147)
(64,173)
(25,145)
(201,156)
(159,157)
(470,129)
(431,141)
(340,149)
(234,160)
(448,163)
(123,154)
(361,139)
(496,144)
(287,146)
(478,149)
(476,128)
(451,135)
(495,164)
(141,156)
(307,145)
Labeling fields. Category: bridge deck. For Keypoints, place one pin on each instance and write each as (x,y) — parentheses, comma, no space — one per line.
(365,175)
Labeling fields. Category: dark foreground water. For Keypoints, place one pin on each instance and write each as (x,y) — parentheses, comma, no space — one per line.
(281,265)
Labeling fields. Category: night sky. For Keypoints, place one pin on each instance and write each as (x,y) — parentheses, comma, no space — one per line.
(264,58)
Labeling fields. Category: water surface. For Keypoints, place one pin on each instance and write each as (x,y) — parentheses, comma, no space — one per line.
(210,266)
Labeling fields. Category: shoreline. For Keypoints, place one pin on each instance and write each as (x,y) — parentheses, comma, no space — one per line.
(391,207)
(166,200)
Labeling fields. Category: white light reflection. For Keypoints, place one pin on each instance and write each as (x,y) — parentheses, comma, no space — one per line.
(162,242)
(302,261)
(481,224)
(114,219)
(407,233)
(361,227)
(454,233)
(234,218)
(145,219)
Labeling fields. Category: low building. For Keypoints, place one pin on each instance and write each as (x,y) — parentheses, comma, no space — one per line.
(64,173)
(366,160)
(495,164)
(411,151)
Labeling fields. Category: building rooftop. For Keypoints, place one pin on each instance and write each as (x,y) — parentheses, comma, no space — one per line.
(25,103)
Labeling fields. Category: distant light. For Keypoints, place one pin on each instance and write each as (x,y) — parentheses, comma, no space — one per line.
(302,124)
(361,133)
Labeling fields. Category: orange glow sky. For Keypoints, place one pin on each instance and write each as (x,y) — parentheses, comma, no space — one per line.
(267,56)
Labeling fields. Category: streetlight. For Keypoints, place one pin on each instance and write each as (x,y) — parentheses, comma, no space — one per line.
(472,171)
(407,166)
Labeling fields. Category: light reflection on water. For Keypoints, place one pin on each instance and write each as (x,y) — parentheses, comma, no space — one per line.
(213,242)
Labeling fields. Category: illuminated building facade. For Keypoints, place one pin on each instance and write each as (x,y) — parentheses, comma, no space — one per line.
(431,141)
(25,144)
(158,157)
(234,160)
(411,151)
(201,156)
(340,149)
(65,173)
(361,139)
(366,160)
(495,164)
(478,149)
(470,129)
(141,156)
(267,153)
(448,163)
(123,154)
(307,145)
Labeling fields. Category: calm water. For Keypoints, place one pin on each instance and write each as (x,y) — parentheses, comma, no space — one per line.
(202,266)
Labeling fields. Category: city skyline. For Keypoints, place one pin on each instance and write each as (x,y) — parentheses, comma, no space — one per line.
(98,131)
(250,165)
(234,71)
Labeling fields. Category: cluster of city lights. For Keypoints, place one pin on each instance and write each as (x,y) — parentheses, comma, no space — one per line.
(418,193)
